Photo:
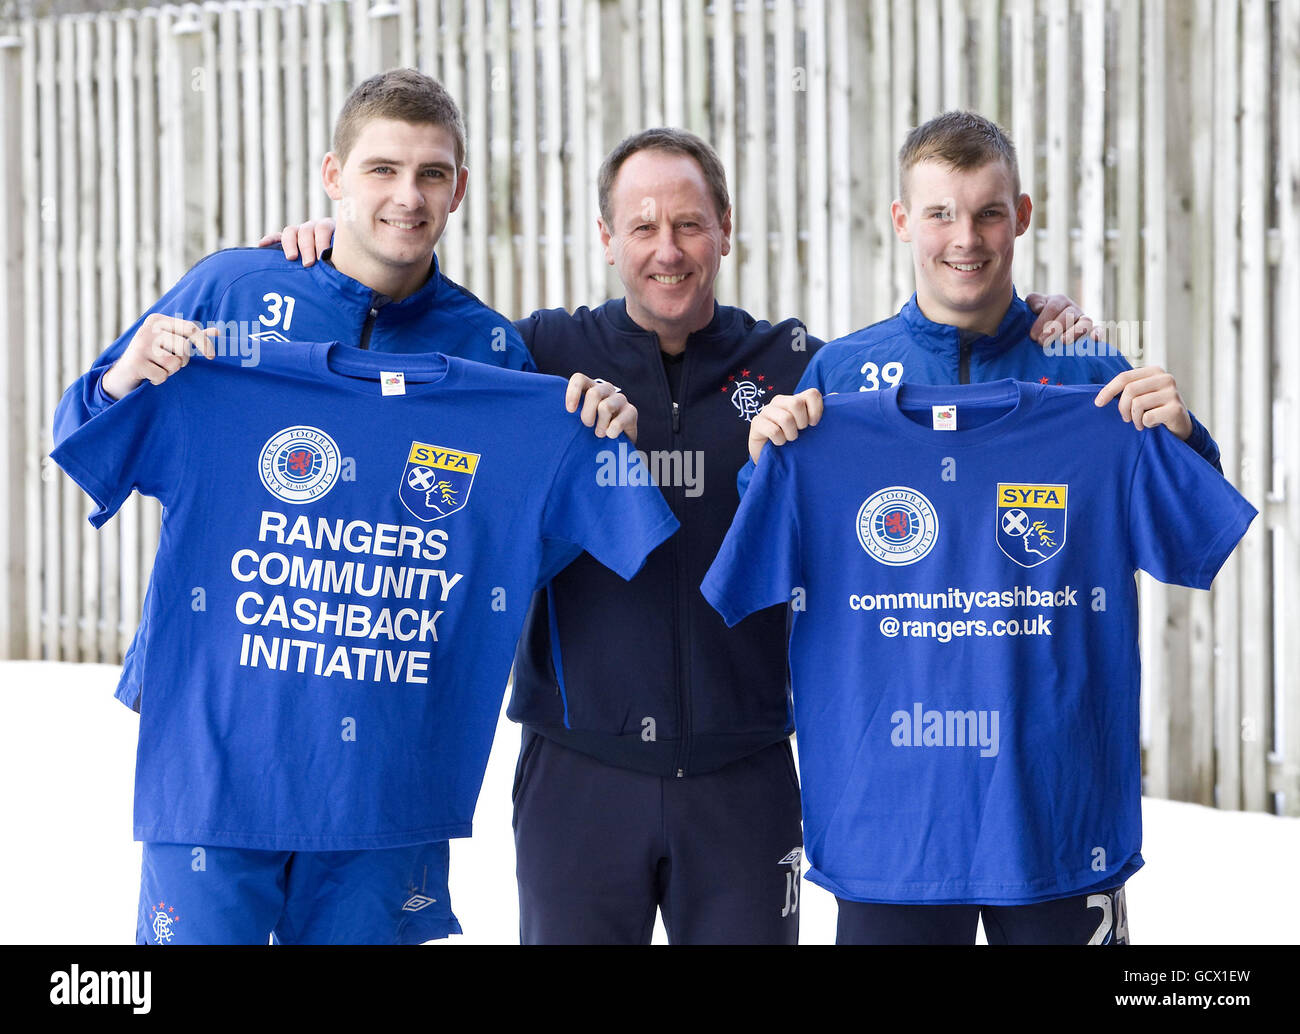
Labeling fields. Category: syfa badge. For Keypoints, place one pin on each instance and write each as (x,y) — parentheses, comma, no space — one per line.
(1031,522)
(436,480)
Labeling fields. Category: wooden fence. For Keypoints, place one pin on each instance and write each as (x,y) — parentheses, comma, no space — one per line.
(1160,141)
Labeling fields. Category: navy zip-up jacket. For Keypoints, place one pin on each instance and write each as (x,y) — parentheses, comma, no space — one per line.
(648,676)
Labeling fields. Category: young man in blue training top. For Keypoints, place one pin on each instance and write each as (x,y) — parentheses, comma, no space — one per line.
(961,209)
(398,171)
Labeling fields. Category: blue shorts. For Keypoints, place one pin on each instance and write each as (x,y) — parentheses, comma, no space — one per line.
(230,895)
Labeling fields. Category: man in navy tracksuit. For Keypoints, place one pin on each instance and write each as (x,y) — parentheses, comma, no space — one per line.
(656,769)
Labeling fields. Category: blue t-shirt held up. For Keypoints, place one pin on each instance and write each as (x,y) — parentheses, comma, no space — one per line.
(253,296)
(349,544)
(960,565)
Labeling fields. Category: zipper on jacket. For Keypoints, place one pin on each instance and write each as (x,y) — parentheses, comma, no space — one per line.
(367,327)
(675,543)
(963,362)
(681,605)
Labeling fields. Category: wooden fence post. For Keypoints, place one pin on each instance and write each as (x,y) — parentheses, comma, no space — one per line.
(90,141)
(1154,611)
(1288,320)
(13,536)
(112,317)
(37,465)
(1195,379)
(1256,409)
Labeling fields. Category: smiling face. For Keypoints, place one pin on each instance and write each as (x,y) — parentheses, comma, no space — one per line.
(395,188)
(962,225)
(666,238)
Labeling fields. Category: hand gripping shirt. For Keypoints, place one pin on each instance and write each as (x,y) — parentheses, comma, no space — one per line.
(964,653)
(256,295)
(340,581)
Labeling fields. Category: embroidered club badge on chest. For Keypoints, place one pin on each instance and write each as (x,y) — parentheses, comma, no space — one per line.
(748,391)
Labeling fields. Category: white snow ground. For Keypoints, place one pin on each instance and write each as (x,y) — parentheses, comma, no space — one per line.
(70,870)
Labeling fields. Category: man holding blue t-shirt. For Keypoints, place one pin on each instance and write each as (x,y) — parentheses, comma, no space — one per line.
(961,209)
(397,171)
(364,537)
(964,654)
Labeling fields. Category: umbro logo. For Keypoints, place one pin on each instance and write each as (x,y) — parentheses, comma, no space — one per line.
(417,902)
(791,881)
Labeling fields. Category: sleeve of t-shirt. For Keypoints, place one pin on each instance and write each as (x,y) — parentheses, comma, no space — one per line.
(618,520)
(759,563)
(137,443)
(193,297)
(1184,516)
(1199,441)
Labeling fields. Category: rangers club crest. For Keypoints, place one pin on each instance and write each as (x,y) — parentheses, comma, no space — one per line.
(897,526)
(436,480)
(1031,522)
(161,920)
(748,393)
(299,464)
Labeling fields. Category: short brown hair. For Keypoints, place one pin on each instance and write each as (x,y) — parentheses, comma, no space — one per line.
(960,140)
(674,141)
(404,95)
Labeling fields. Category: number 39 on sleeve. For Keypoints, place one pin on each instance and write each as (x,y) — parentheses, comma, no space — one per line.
(890,373)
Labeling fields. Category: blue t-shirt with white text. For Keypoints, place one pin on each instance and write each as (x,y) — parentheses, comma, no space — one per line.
(960,566)
(349,544)
(255,296)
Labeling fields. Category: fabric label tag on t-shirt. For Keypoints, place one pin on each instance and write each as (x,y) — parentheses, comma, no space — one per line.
(945,418)
(392,383)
